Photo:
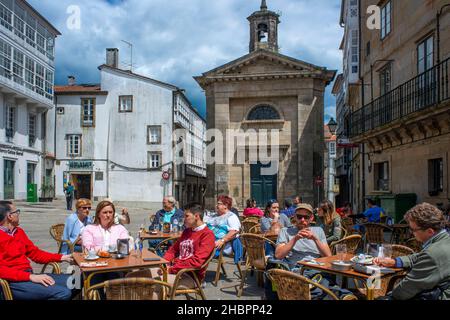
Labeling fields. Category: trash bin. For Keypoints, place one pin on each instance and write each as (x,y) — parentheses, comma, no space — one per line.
(32,192)
(396,205)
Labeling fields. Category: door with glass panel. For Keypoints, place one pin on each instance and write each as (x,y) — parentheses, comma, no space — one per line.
(8,179)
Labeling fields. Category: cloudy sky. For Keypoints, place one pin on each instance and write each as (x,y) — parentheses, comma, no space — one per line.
(174,40)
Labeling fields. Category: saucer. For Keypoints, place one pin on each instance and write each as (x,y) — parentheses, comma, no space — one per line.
(87,258)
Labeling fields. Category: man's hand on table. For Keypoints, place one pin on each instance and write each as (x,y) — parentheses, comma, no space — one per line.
(43,279)
(384,262)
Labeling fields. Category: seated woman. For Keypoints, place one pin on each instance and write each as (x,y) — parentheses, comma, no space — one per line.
(102,235)
(273,221)
(252,210)
(330,221)
(75,224)
(226,225)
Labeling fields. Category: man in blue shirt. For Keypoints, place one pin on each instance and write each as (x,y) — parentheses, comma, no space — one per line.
(289,210)
(374,213)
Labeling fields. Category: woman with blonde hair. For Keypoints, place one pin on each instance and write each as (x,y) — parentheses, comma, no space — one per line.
(330,221)
(103,233)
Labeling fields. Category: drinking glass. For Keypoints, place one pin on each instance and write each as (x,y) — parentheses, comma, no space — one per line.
(386,251)
(161,223)
(341,251)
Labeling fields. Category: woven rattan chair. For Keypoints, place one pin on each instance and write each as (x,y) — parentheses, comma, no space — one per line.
(343,233)
(401,251)
(352,243)
(249,223)
(56,232)
(256,255)
(255,229)
(6,290)
(414,244)
(292,286)
(347,224)
(374,232)
(130,289)
(163,246)
(220,266)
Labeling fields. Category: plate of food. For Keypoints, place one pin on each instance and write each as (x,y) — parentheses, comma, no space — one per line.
(104,254)
(363,259)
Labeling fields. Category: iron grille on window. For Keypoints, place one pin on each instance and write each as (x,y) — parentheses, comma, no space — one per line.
(264,113)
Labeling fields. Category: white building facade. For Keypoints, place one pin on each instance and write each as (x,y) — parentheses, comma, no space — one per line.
(27,42)
(115,139)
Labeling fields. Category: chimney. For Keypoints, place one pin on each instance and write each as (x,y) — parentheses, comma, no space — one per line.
(112,57)
(71,80)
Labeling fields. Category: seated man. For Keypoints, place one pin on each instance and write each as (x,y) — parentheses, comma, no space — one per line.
(372,215)
(75,224)
(15,250)
(430,268)
(194,246)
(301,241)
(289,208)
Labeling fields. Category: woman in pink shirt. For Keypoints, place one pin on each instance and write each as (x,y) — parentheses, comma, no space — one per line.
(252,210)
(103,233)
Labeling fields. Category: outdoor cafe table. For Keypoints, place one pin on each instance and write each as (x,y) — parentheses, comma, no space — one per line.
(327,268)
(144,235)
(129,263)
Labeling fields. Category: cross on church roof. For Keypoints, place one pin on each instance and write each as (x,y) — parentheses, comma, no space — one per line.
(263,5)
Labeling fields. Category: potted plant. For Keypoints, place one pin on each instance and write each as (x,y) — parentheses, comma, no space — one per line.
(47,192)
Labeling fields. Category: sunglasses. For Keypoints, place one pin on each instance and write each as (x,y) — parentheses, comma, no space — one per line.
(302,217)
(415,230)
(17,211)
(86,208)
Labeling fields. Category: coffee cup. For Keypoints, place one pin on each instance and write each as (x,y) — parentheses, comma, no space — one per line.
(92,253)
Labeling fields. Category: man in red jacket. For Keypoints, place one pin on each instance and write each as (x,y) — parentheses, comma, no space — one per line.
(194,246)
(15,251)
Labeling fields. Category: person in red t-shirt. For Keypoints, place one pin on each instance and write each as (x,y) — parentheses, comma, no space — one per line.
(251,210)
(194,246)
(16,251)
(345,211)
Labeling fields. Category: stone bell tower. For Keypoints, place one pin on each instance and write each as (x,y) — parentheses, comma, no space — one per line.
(264,29)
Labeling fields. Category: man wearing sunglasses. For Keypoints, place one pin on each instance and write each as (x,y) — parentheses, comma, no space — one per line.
(16,251)
(75,223)
(302,241)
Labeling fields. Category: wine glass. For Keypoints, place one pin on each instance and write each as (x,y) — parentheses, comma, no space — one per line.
(341,251)
(386,251)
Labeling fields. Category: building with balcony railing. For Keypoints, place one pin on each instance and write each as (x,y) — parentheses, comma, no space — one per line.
(404,118)
(27,44)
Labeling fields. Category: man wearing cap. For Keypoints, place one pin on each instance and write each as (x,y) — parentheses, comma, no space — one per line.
(75,223)
(301,241)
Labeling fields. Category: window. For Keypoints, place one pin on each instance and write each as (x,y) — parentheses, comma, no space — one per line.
(263,113)
(154,135)
(29,73)
(88,112)
(31,170)
(425,55)
(18,66)
(386,20)
(382,176)
(126,104)
(10,121)
(39,79)
(354,69)
(31,129)
(5,59)
(73,145)
(355,46)
(435,176)
(154,160)
(385,80)
(6,17)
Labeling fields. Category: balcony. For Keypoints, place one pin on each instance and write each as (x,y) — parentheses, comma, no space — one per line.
(426,90)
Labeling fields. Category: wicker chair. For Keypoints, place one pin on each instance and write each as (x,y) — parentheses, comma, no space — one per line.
(343,233)
(292,286)
(249,223)
(414,244)
(220,266)
(401,251)
(163,246)
(130,289)
(56,232)
(352,242)
(255,229)
(347,223)
(375,232)
(6,290)
(256,256)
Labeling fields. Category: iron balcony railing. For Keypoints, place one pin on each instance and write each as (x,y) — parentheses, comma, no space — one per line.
(423,91)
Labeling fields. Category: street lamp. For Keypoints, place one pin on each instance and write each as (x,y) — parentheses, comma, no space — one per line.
(372,65)
(438,31)
(332,126)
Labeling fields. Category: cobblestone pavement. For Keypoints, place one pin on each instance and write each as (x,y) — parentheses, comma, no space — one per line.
(36,219)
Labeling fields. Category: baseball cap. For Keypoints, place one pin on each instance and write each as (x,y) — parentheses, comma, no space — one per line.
(306,207)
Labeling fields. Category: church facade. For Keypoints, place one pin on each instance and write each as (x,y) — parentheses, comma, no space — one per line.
(265,90)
